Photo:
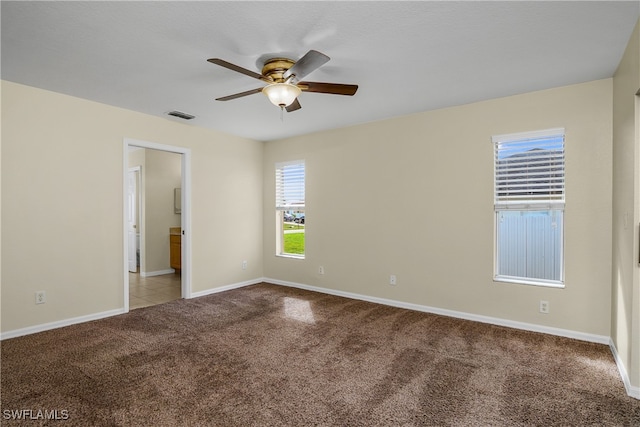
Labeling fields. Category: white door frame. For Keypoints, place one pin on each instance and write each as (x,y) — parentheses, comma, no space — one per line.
(185,216)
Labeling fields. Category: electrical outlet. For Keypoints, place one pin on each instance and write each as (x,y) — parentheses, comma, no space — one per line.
(321,270)
(41,297)
(544,307)
(392,280)
(244,264)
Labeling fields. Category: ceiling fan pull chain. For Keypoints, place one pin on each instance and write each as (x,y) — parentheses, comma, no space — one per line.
(281,113)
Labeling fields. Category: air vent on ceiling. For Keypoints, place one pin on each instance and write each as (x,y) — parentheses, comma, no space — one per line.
(181,115)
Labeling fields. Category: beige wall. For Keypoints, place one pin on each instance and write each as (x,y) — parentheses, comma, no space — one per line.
(161,174)
(413,196)
(62,204)
(625,291)
(376,205)
(410,196)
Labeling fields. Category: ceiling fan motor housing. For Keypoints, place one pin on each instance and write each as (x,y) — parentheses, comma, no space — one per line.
(276,67)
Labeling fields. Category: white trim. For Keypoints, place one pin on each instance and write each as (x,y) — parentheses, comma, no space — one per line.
(155,146)
(527,135)
(530,205)
(60,323)
(95,316)
(531,282)
(292,256)
(185,216)
(600,339)
(289,163)
(227,287)
(125,219)
(156,273)
(632,391)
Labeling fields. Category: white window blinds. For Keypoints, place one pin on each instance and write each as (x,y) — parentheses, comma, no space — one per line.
(529,169)
(290,185)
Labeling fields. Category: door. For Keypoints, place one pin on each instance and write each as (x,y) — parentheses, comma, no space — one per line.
(132,219)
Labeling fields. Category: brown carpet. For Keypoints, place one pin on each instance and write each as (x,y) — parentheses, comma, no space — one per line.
(266,355)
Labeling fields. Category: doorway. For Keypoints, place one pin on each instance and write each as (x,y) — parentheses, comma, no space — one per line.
(156,215)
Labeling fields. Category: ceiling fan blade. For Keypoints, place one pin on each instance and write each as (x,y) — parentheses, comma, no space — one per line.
(332,88)
(239,95)
(308,63)
(295,105)
(237,68)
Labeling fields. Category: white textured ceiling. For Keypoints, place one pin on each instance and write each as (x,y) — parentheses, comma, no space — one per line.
(406,57)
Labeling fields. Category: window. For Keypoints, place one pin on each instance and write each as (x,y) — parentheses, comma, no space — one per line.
(529,200)
(290,218)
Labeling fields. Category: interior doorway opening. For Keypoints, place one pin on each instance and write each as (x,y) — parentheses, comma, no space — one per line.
(156,224)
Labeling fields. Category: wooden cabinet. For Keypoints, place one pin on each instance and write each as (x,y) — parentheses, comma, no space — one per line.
(175,250)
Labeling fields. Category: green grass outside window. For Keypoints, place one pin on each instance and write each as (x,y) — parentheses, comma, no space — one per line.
(294,243)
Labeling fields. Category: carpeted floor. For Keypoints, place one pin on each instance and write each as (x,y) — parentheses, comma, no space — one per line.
(266,355)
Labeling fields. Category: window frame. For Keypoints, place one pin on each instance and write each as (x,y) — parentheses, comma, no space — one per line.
(281,206)
(553,203)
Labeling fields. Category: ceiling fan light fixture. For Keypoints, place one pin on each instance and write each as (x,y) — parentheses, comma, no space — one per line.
(281,94)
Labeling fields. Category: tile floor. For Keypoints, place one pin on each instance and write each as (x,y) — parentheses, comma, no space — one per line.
(146,291)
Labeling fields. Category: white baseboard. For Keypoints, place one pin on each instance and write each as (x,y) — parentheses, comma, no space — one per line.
(600,339)
(226,288)
(81,319)
(156,273)
(59,324)
(632,391)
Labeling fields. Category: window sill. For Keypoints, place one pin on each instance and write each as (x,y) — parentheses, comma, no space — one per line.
(292,256)
(530,282)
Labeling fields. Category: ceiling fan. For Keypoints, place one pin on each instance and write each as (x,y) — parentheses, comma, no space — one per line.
(283,77)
